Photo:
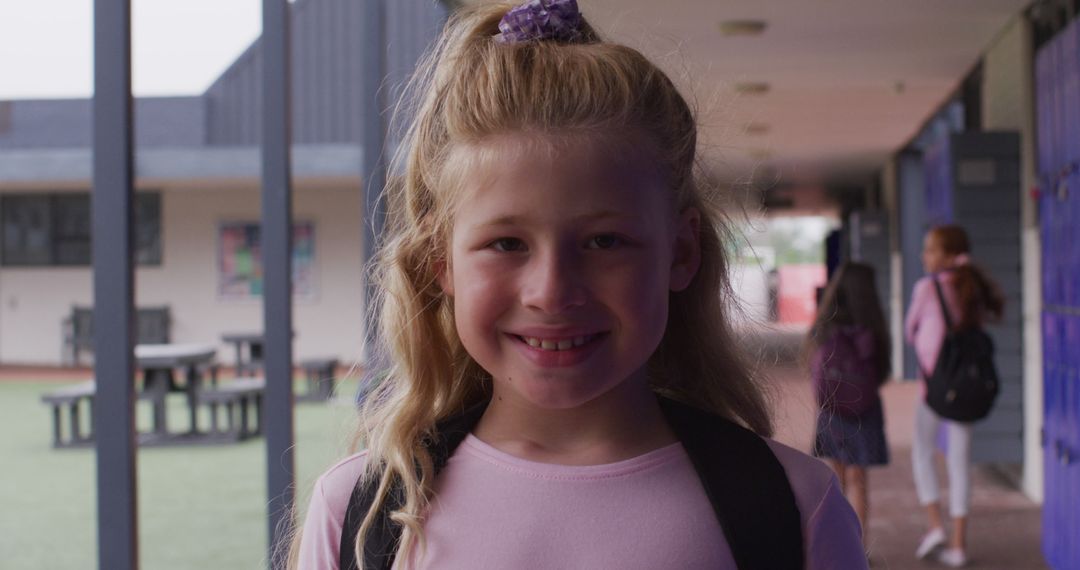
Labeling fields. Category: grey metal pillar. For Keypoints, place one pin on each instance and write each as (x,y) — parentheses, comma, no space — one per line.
(277,262)
(913,226)
(373,173)
(114,279)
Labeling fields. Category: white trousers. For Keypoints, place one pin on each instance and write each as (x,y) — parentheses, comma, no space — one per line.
(957,460)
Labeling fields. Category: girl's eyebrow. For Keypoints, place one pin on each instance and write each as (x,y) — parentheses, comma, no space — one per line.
(517,220)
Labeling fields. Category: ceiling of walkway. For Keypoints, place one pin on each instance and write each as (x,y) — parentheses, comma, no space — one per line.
(850,81)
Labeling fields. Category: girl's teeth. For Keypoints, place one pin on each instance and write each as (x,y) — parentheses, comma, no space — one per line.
(565,344)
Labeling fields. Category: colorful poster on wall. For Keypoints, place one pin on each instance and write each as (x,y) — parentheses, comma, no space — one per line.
(240,270)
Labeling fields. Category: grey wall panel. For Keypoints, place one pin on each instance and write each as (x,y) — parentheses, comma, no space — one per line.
(996,198)
(872,227)
(986,197)
(912,228)
(1001,449)
(326,81)
(1007,417)
(159,121)
(322,55)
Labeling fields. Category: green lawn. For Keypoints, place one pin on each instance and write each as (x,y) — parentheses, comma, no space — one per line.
(199,507)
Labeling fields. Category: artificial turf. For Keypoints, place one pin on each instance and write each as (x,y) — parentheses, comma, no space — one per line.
(198,507)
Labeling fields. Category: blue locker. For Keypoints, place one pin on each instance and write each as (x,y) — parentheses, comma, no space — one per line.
(1071,221)
(1070,89)
(1055,148)
(1068,219)
(1074,423)
(1068,426)
(1057,84)
(1042,108)
(1066,492)
(1053,467)
(1047,229)
(1049,514)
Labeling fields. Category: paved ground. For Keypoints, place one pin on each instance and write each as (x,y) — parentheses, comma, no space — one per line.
(1004,528)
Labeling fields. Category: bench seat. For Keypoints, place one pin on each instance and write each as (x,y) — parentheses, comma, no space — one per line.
(237,398)
(71,397)
(319,374)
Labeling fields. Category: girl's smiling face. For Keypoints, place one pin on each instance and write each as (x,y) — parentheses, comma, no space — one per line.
(560,267)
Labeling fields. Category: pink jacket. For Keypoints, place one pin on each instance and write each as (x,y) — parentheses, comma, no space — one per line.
(924,326)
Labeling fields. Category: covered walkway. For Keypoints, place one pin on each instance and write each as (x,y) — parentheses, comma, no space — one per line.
(1005,525)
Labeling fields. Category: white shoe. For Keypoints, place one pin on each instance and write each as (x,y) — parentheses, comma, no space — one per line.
(952,557)
(931,542)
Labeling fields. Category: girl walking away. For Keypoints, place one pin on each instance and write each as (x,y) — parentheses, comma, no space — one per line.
(564,391)
(849,360)
(955,284)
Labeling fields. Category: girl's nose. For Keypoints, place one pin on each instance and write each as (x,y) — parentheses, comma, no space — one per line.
(554,283)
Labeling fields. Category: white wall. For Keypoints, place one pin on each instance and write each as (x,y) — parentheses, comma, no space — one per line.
(1008,104)
(751,285)
(34,301)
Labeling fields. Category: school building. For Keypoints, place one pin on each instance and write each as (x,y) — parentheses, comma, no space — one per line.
(889,117)
(198,206)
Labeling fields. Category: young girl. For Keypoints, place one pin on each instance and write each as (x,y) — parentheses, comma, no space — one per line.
(970,297)
(849,339)
(554,294)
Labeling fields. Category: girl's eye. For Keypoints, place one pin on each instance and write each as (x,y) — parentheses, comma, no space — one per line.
(605,241)
(508,244)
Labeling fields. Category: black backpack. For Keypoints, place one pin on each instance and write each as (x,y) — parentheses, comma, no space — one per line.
(742,478)
(964,383)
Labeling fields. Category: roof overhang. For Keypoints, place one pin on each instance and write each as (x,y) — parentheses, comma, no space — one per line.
(163,167)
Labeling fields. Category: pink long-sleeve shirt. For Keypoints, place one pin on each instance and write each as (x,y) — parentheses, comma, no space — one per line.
(924,325)
(493,510)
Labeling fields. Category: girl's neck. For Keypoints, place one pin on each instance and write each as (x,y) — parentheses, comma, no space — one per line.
(622,424)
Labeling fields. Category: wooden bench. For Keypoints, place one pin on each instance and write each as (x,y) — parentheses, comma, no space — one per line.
(71,397)
(319,373)
(237,398)
(153,325)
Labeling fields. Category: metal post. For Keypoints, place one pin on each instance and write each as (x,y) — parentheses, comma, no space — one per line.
(114,312)
(912,205)
(277,263)
(373,173)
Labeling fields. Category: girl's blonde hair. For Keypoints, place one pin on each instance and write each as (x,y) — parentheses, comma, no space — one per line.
(470,88)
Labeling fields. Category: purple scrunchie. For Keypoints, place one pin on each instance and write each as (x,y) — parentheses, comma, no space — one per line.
(540,20)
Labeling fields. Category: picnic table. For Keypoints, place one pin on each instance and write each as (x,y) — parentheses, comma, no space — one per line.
(249,350)
(158,363)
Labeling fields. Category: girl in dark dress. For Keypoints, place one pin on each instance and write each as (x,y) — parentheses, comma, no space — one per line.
(848,350)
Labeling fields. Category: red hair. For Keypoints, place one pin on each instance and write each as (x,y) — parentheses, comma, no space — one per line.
(979,295)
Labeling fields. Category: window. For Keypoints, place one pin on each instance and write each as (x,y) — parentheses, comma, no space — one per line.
(54,229)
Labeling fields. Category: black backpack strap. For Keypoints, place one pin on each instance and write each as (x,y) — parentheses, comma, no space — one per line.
(381,543)
(747,486)
(944,308)
(744,481)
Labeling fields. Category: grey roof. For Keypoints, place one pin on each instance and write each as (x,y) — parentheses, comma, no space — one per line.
(66,123)
(325,76)
(326,71)
(219,164)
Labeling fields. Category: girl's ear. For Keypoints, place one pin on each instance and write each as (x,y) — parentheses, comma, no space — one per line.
(687,249)
(442,275)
